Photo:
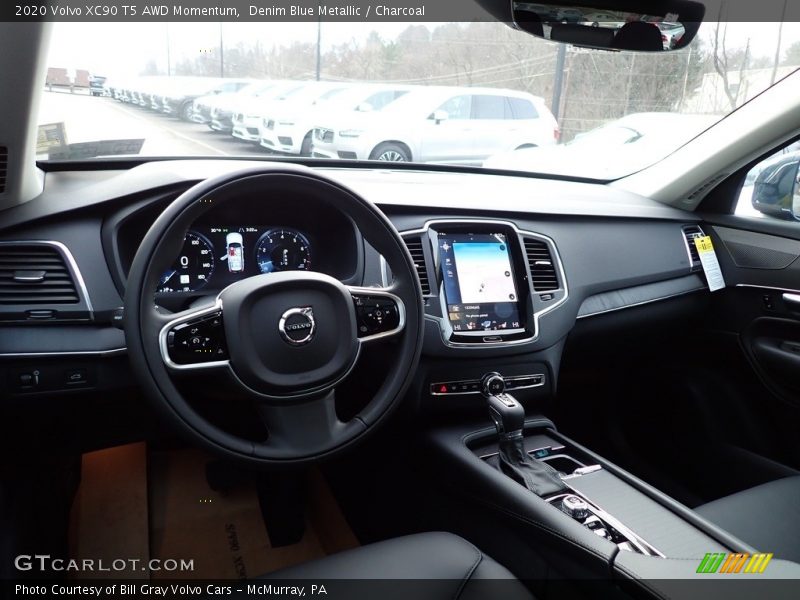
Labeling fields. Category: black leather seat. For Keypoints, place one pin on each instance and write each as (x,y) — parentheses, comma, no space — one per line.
(766,517)
(424,566)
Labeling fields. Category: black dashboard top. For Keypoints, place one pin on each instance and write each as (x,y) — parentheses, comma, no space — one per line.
(592,230)
(404,190)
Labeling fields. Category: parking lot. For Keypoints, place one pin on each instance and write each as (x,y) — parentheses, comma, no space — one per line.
(89,118)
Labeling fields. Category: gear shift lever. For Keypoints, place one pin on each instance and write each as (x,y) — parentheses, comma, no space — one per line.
(509,418)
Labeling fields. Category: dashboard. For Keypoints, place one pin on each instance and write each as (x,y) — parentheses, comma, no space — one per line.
(504,282)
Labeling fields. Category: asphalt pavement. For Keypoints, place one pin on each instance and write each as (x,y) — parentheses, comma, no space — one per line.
(92,118)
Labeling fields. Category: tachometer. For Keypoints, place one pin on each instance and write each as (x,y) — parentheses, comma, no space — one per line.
(283,250)
(194,266)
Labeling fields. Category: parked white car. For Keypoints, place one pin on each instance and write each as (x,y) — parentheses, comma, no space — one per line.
(248,115)
(439,124)
(289,130)
(277,129)
(603,19)
(627,145)
(203,106)
(223,107)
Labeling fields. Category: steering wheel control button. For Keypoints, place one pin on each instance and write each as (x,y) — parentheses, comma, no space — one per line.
(198,341)
(297,325)
(576,507)
(376,315)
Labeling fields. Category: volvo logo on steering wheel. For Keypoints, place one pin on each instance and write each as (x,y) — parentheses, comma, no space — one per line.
(297,325)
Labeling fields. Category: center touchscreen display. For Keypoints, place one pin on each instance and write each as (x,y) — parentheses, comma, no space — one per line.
(479,284)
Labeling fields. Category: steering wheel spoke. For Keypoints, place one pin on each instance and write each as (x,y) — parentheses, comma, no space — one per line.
(193,339)
(379,313)
(307,427)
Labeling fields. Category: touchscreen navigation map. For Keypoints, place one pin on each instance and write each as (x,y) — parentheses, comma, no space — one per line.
(484,272)
(479,284)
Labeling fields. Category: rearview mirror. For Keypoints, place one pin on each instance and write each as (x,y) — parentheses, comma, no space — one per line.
(439,116)
(613,24)
(776,191)
(364,107)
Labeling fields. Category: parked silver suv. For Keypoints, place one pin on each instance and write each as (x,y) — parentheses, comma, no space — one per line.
(439,124)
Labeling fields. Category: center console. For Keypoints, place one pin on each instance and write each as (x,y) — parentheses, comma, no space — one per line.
(569,506)
(548,471)
(571,464)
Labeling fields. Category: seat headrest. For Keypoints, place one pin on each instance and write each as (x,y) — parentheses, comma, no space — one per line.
(638,35)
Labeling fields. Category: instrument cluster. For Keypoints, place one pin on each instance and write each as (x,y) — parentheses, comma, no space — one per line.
(216,256)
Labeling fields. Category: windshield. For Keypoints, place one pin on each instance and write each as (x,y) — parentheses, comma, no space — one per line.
(480,94)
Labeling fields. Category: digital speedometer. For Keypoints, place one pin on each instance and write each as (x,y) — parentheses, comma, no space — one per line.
(283,250)
(194,266)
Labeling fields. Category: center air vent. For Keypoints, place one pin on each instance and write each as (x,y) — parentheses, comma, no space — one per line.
(689,233)
(3,167)
(35,274)
(415,248)
(540,260)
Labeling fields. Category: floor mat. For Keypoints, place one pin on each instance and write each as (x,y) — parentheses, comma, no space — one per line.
(157,508)
(224,532)
(109,514)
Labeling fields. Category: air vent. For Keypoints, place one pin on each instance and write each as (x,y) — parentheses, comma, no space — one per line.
(35,274)
(3,167)
(689,233)
(415,248)
(540,260)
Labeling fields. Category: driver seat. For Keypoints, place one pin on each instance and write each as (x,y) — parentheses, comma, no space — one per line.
(451,566)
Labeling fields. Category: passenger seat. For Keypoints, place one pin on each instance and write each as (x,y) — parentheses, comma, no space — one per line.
(766,516)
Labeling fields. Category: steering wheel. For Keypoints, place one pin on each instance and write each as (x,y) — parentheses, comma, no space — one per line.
(283,341)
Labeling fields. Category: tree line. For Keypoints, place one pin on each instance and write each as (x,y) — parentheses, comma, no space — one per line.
(597,86)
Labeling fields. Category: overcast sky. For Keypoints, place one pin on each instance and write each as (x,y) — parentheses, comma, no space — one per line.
(123,49)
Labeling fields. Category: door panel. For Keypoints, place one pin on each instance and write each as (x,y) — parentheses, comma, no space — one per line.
(775,347)
(764,271)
